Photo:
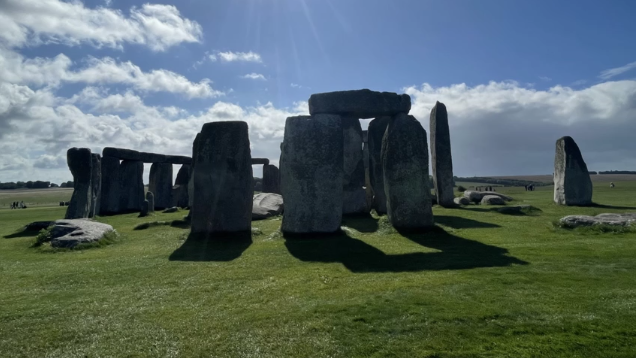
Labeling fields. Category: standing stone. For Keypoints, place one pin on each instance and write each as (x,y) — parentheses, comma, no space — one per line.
(180,197)
(354,195)
(222,179)
(271,179)
(150,198)
(312,174)
(131,185)
(367,175)
(161,184)
(191,181)
(441,158)
(109,199)
(96,184)
(572,183)
(377,128)
(144,208)
(406,180)
(80,163)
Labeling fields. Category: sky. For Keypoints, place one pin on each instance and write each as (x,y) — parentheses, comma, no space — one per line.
(514,75)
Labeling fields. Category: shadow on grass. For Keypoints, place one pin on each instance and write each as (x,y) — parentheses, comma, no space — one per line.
(182,224)
(457,222)
(361,223)
(223,247)
(601,206)
(357,256)
(22,233)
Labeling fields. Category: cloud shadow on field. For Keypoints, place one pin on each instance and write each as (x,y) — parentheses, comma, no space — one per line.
(224,247)
(359,257)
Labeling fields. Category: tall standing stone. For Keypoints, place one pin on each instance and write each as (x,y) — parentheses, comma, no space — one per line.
(180,197)
(109,199)
(367,174)
(354,195)
(131,185)
(161,184)
(191,181)
(406,180)
(96,184)
(572,183)
(377,128)
(150,198)
(441,158)
(312,174)
(79,161)
(222,179)
(271,179)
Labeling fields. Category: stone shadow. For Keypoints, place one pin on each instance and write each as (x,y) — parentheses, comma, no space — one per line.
(457,222)
(601,206)
(22,233)
(223,247)
(359,257)
(361,223)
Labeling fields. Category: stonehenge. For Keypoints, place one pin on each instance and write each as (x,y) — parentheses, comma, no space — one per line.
(80,162)
(359,103)
(161,184)
(572,182)
(441,158)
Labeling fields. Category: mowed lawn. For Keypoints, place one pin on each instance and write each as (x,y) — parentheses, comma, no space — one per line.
(483,284)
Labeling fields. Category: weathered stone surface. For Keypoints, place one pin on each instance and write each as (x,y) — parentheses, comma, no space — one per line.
(354,201)
(109,199)
(96,184)
(144,208)
(354,195)
(441,158)
(79,161)
(265,205)
(131,185)
(161,184)
(613,219)
(377,128)
(312,175)
(271,179)
(367,174)
(191,182)
(150,198)
(461,201)
(572,183)
(362,103)
(405,168)
(492,200)
(222,179)
(133,155)
(180,195)
(476,196)
(70,233)
(256,161)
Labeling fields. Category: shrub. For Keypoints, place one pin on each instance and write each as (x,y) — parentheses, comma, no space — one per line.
(461,189)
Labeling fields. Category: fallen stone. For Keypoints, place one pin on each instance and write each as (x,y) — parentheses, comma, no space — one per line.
(476,196)
(573,221)
(572,183)
(441,158)
(70,233)
(80,163)
(359,103)
(492,200)
(461,201)
(265,205)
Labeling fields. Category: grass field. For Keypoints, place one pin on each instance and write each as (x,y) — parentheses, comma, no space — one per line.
(483,284)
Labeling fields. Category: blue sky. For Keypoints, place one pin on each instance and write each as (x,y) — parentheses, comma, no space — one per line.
(515,75)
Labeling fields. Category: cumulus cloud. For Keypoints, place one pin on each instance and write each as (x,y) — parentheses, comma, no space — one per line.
(254,76)
(613,72)
(32,22)
(237,57)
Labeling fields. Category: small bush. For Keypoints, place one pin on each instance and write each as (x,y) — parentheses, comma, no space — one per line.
(43,236)
(461,189)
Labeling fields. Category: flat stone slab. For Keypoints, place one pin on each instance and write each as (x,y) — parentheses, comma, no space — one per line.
(461,201)
(492,200)
(129,154)
(265,205)
(627,219)
(68,233)
(476,196)
(362,103)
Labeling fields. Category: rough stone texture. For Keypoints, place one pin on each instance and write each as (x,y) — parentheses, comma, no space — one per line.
(572,183)
(476,196)
(627,219)
(80,163)
(312,174)
(180,195)
(492,200)
(144,208)
(109,199)
(265,205)
(161,184)
(191,182)
(133,155)
(96,184)
(461,201)
(70,233)
(362,103)
(441,158)
(131,185)
(354,195)
(222,179)
(150,198)
(377,128)
(271,179)
(367,174)
(406,180)
(256,161)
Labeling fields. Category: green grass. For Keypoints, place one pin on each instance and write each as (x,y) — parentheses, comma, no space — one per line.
(482,284)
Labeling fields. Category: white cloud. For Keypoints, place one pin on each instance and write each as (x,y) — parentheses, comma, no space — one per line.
(237,57)
(545,78)
(32,22)
(613,72)
(254,76)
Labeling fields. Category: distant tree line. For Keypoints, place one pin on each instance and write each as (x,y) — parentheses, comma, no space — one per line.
(497,181)
(38,184)
(618,172)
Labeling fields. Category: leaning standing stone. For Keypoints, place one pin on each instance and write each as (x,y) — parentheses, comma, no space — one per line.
(572,183)
(131,185)
(311,174)
(161,184)
(96,184)
(406,181)
(80,163)
(441,158)
(222,179)
(109,199)
(377,128)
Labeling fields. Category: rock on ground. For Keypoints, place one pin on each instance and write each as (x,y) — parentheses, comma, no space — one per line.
(492,200)
(70,233)
(441,158)
(476,196)
(627,219)
(265,205)
(461,201)
(80,163)
(572,183)
(362,103)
